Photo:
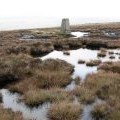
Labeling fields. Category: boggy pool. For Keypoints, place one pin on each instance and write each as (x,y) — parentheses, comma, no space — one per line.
(81,70)
(10,100)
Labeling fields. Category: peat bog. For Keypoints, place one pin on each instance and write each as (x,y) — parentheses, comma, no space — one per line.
(48,76)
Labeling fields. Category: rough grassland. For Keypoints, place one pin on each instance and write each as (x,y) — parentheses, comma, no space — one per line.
(64,111)
(7,114)
(44,81)
(104,85)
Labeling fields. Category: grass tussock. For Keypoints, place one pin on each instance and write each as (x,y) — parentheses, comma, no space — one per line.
(85,95)
(112,57)
(41,74)
(110,52)
(93,63)
(100,111)
(102,52)
(71,43)
(35,49)
(66,53)
(36,97)
(111,66)
(115,115)
(64,111)
(77,80)
(45,82)
(7,114)
(48,79)
(100,79)
(14,65)
(104,85)
(39,49)
(14,68)
(52,79)
(81,61)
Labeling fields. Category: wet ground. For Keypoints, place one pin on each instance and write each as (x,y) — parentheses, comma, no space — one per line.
(45,37)
(81,70)
(10,100)
(79,34)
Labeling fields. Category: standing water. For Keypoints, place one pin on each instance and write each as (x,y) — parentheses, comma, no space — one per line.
(10,100)
(79,34)
(81,70)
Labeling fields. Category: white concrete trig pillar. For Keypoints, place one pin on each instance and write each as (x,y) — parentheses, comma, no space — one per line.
(65,26)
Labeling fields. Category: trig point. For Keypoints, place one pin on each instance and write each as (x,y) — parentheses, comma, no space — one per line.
(65,26)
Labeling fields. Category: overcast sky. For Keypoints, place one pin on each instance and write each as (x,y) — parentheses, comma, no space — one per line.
(60,8)
(18,14)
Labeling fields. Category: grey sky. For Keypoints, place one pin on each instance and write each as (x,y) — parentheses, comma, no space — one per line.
(59,8)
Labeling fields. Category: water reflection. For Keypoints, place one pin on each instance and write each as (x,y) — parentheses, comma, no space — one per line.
(11,101)
(86,115)
(71,86)
(81,70)
(79,34)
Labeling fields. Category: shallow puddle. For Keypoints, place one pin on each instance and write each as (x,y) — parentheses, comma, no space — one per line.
(84,54)
(81,70)
(10,100)
(29,37)
(79,34)
(112,34)
(86,115)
